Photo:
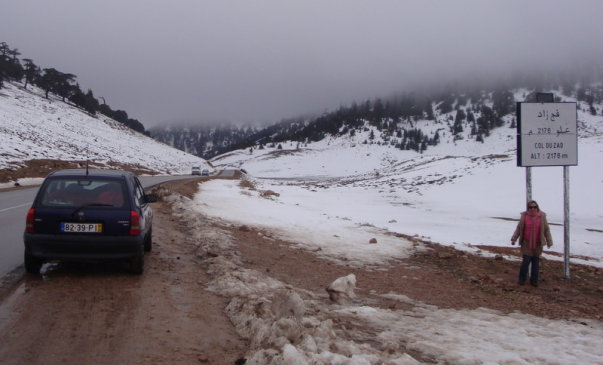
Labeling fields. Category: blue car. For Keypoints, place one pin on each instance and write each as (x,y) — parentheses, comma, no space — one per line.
(82,214)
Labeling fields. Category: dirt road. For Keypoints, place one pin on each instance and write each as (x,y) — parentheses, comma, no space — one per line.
(100,314)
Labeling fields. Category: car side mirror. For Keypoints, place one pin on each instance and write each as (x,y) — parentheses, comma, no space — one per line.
(150,198)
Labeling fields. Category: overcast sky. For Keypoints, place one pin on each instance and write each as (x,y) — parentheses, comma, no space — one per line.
(263,60)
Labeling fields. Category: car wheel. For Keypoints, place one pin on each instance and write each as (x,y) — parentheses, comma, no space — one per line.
(148,241)
(32,264)
(137,264)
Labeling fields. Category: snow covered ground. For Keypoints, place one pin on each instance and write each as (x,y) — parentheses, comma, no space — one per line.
(338,194)
(334,223)
(449,194)
(32,127)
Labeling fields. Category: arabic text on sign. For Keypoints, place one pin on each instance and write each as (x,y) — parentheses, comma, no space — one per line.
(548,116)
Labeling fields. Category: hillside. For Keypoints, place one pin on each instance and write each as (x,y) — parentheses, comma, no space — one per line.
(201,140)
(413,120)
(458,183)
(38,135)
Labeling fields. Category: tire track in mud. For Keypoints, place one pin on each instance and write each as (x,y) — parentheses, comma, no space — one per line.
(100,314)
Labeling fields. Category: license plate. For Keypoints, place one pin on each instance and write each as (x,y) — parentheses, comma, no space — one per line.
(81,227)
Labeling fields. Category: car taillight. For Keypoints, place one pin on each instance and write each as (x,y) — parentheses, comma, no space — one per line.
(134,223)
(29,222)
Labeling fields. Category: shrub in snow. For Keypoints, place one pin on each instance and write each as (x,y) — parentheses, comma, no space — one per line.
(268,194)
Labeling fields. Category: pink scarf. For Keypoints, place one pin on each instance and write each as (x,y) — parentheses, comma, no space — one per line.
(531,229)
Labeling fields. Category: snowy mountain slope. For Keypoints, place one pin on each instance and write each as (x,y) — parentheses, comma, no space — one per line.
(463,193)
(32,127)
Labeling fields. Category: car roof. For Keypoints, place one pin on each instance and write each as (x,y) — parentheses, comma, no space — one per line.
(90,172)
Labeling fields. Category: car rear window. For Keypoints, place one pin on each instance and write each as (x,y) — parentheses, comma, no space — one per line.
(72,192)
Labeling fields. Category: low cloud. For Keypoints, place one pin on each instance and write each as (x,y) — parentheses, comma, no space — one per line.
(266,60)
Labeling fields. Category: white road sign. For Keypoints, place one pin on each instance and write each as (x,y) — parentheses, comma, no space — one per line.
(547,134)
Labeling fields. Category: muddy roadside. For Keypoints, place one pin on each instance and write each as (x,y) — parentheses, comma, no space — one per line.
(441,276)
(101,314)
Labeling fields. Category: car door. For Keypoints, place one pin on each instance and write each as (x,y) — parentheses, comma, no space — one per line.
(145,209)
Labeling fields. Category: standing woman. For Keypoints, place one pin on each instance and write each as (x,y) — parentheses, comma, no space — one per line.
(533,233)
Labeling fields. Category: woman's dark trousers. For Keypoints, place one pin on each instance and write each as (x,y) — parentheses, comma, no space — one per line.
(523,271)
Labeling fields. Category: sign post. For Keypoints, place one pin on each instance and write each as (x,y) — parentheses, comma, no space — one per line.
(547,135)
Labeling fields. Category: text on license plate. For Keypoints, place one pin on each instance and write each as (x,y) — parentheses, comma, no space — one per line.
(81,227)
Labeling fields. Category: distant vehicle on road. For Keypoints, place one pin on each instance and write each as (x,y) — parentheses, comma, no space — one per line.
(196,170)
(80,215)
(205,172)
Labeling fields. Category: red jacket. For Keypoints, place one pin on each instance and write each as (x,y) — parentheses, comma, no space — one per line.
(545,236)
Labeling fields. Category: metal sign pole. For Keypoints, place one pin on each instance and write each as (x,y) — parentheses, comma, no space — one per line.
(566,224)
(528,184)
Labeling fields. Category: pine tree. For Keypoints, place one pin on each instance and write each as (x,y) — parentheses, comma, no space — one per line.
(503,102)
(10,67)
(90,103)
(429,110)
(48,80)
(31,72)
(4,48)
(436,138)
(64,86)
